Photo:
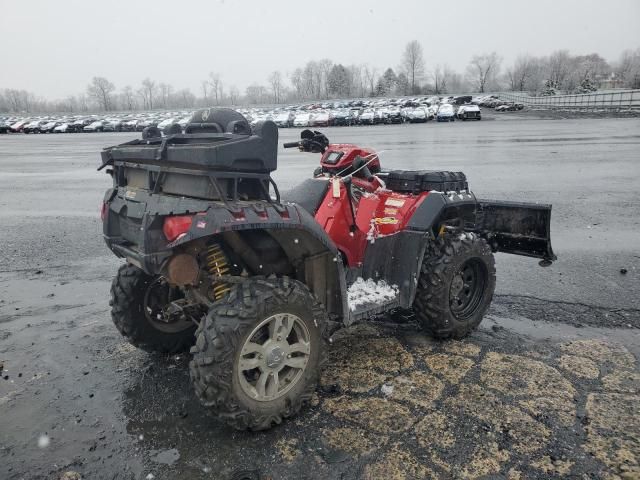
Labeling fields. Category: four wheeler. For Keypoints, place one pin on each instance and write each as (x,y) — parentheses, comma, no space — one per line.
(254,281)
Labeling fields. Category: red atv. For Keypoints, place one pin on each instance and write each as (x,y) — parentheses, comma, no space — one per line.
(217,260)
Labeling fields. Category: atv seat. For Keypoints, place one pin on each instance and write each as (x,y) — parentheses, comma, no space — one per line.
(309,194)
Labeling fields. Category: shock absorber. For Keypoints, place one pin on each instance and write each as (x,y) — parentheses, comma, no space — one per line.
(217,265)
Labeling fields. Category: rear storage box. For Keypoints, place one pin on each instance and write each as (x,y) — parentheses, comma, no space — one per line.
(255,153)
(424,180)
(212,165)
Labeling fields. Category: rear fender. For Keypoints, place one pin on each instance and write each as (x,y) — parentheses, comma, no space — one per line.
(517,228)
(310,253)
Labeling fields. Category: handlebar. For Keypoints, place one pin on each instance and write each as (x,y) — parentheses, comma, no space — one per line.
(310,141)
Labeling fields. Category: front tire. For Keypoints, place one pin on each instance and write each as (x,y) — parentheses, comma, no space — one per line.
(136,302)
(258,352)
(457,281)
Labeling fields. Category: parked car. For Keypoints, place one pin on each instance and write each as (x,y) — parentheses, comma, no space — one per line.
(394,115)
(340,117)
(147,122)
(165,123)
(18,126)
(284,119)
(48,127)
(97,126)
(418,115)
(130,125)
(367,117)
(446,113)
(302,120)
(63,128)
(112,125)
(469,112)
(462,100)
(4,127)
(320,119)
(33,127)
(509,107)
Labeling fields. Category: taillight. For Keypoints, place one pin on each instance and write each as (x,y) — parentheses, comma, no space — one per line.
(104,210)
(175,226)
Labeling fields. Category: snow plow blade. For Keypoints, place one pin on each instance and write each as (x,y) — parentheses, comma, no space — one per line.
(517,228)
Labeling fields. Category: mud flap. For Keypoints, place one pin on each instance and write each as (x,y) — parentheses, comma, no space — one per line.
(517,228)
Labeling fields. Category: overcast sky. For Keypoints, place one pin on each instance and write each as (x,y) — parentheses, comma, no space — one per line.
(53,48)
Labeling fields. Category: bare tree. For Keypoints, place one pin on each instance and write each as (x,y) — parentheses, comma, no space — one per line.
(324,69)
(312,80)
(483,70)
(205,91)
(558,68)
(442,76)
(297,80)
(357,80)
(13,99)
(275,81)
(256,93)
(525,74)
(148,92)
(627,70)
(234,95)
(216,86)
(413,64)
(370,77)
(128,98)
(185,98)
(100,89)
(165,94)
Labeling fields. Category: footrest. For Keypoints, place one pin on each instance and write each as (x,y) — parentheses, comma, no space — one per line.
(368,298)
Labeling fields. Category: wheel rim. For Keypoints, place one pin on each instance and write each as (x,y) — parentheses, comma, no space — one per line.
(157,298)
(274,357)
(467,288)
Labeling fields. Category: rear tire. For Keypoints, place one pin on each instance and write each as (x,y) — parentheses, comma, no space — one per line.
(130,299)
(457,281)
(241,342)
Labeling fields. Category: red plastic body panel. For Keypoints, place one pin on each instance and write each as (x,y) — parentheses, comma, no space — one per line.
(380,213)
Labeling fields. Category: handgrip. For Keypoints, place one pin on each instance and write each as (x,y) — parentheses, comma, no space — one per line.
(291,145)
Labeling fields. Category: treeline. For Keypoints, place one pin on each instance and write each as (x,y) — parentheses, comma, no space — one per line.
(560,72)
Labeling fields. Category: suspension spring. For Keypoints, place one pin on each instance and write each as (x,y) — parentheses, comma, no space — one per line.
(218,266)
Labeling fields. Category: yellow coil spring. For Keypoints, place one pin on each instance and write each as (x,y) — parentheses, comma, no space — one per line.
(217,265)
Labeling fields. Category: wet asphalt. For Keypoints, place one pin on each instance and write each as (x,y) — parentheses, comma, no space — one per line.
(558,343)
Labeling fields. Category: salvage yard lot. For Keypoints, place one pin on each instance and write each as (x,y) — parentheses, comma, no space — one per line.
(548,387)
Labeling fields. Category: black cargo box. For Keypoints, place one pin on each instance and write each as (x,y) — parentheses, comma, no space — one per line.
(254,152)
(424,180)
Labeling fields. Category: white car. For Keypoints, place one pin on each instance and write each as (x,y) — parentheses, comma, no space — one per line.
(62,128)
(302,120)
(284,119)
(367,117)
(166,123)
(418,115)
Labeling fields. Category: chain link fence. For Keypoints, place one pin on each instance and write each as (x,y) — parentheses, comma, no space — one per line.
(619,100)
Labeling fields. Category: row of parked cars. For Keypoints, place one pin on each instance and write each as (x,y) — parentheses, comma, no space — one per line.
(340,113)
(92,123)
